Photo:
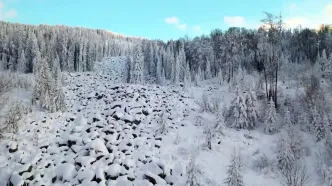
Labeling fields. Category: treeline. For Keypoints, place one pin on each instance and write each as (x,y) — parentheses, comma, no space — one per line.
(77,49)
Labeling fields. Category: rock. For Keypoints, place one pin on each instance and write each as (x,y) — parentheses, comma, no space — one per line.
(154,179)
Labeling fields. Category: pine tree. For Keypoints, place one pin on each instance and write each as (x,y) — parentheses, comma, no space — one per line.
(328,142)
(44,84)
(238,112)
(234,177)
(150,59)
(47,90)
(187,77)
(22,63)
(176,68)
(285,157)
(304,124)
(208,74)
(32,52)
(137,70)
(35,60)
(252,111)
(220,77)
(319,130)
(270,119)
(220,122)
(11,64)
(56,71)
(192,172)
(182,62)
(287,118)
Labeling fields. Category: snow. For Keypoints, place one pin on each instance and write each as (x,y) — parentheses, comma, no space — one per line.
(114,170)
(16,180)
(108,136)
(99,146)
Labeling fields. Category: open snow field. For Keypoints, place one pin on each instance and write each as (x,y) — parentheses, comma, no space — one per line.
(111,135)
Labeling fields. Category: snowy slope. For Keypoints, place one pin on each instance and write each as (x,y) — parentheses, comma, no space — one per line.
(109,136)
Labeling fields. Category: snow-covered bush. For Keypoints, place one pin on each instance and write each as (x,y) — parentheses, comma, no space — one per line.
(295,175)
(16,110)
(208,137)
(262,164)
(10,80)
(162,123)
(205,103)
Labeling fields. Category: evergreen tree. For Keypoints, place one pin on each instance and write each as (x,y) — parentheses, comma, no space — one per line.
(287,118)
(220,77)
(56,71)
(44,84)
(234,177)
(252,111)
(270,119)
(285,156)
(176,69)
(22,62)
(47,91)
(319,130)
(220,123)
(187,76)
(192,172)
(238,112)
(328,143)
(137,70)
(208,74)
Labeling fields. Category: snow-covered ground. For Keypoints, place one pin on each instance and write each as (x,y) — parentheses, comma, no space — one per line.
(110,135)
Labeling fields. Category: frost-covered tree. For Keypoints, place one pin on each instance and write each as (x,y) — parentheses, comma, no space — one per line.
(176,68)
(287,118)
(187,76)
(220,77)
(238,117)
(150,58)
(304,122)
(270,119)
(208,132)
(163,125)
(137,70)
(319,129)
(208,74)
(192,172)
(220,122)
(252,110)
(234,175)
(56,71)
(181,59)
(198,76)
(285,156)
(22,63)
(44,84)
(328,142)
(47,91)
